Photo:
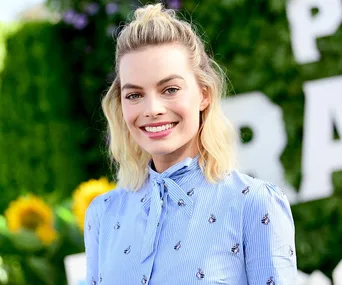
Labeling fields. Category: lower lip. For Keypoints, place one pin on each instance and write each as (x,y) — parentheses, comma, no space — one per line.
(159,135)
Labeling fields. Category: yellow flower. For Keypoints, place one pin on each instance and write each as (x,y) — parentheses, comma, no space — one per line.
(33,214)
(46,234)
(85,193)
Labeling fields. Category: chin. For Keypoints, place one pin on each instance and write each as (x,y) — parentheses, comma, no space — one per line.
(160,152)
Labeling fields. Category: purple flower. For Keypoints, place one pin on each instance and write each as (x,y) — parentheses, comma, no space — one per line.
(92,8)
(80,21)
(69,16)
(174,4)
(111,8)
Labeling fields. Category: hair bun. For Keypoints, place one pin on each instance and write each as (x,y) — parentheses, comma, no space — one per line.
(150,12)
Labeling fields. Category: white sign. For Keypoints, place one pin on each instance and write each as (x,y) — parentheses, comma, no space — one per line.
(261,156)
(321,154)
(306,28)
(75,266)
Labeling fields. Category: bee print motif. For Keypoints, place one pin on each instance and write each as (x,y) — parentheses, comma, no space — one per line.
(265,220)
(212,219)
(117,226)
(100,278)
(270,281)
(143,199)
(181,203)
(177,246)
(245,191)
(107,199)
(235,249)
(89,227)
(291,251)
(93,282)
(127,250)
(144,280)
(191,192)
(200,274)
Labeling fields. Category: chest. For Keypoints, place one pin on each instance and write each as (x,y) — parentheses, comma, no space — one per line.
(207,247)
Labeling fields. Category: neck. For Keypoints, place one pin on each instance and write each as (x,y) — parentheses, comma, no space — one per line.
(162,162)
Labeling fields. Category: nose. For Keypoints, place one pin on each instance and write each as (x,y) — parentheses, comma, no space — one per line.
(153,107)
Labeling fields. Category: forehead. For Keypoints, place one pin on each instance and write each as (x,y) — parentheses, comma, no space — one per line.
(154,63)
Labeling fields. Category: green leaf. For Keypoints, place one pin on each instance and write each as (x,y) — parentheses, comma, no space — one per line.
(26,240)
(65,214)
(42,268)
(3,225)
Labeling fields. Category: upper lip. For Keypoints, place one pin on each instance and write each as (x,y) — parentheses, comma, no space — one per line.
(157,124)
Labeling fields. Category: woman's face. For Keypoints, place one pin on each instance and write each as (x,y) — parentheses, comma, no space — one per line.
(161,101)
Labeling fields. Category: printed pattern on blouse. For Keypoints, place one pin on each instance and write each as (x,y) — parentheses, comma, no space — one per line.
(180,229)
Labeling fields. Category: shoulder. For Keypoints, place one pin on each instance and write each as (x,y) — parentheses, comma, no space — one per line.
(262,200)
(251,187)
(256,195)
(100,203)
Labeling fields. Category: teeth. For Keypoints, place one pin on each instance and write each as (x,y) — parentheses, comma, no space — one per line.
(159,128)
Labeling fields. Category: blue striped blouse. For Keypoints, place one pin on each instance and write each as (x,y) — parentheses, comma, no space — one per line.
(179,229)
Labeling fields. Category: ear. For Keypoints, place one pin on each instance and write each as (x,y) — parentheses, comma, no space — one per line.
(205,98)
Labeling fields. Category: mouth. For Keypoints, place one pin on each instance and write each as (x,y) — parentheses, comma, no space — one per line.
(158,129)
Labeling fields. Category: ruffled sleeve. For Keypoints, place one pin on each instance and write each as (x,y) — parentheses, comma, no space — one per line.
(269,243)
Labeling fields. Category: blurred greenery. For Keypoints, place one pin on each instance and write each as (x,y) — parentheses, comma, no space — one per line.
(39,142)
(52,128)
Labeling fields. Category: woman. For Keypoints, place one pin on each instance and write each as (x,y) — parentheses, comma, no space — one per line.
(181,214)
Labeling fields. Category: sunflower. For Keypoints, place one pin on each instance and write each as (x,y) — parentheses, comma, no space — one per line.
(85,193)
(46,234)
(31,213)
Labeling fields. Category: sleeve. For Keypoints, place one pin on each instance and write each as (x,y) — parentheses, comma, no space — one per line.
(91,241)
(269,243)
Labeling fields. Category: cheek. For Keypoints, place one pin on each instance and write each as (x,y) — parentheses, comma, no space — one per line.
(189,112)
(129,113)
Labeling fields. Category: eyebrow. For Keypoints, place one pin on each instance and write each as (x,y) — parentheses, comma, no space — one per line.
(161,82)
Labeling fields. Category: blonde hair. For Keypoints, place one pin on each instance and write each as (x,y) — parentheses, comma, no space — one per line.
(153,25)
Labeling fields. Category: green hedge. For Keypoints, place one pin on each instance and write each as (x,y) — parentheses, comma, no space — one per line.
(39,138)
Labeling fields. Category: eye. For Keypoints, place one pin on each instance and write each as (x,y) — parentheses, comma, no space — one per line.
(133,96)
(171,90)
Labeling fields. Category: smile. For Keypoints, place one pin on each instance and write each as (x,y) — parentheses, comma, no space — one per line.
(159,128)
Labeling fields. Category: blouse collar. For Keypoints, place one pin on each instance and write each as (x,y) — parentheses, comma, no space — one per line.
(167,183)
